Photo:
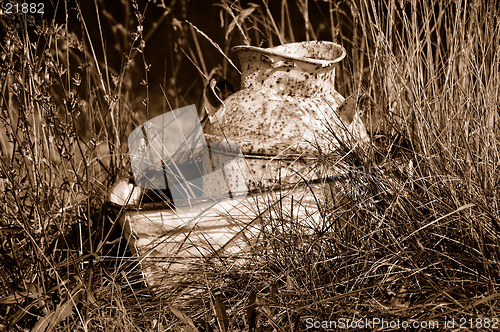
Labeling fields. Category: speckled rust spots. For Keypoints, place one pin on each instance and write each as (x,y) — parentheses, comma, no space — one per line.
(288,102)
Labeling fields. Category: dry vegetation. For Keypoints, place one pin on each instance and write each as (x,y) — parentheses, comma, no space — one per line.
(419,242)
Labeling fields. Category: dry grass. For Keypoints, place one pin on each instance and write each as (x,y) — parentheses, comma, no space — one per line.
(419,239)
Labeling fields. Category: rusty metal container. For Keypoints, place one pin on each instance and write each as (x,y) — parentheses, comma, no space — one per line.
(175,249)
(286,113)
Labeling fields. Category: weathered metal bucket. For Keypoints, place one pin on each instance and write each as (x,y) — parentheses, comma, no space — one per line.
(286,111)
(175,250)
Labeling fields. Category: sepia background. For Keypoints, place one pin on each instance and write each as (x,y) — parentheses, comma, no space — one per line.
(77,79)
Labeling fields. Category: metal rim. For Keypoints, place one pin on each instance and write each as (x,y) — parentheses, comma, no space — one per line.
(271,51)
